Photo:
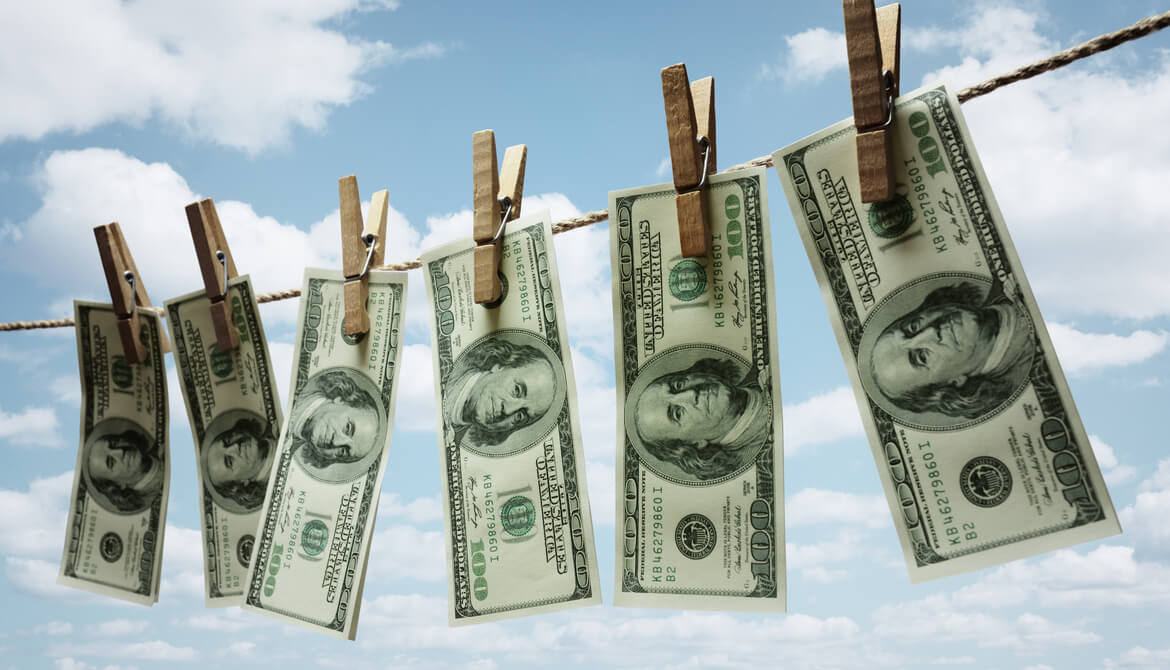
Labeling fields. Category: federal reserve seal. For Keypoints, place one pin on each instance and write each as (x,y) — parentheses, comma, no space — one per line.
(314,537)
(688,280)
(985,481)
(244,549)
(695,536)
(518,516)
(110,547)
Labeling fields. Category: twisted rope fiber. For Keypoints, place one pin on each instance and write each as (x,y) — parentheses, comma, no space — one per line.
(1096,45)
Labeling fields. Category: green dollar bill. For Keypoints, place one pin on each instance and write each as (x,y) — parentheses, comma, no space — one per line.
(234,410)
(313,538)
(519,532)
(700,478)
(981,451)
(118,511)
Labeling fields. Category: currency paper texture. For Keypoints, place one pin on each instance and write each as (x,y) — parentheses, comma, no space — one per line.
(981,452)
(700,477)
(519,532)
(313,539)
(235,416)
(118,511)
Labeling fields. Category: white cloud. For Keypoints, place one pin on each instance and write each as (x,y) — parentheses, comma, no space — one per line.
(1050,158)
(147,200)
(33,522)
(416,392)
(66,390)
(663,168)
(117,627)
(936,618)
(227,620)
(1113,471)
(823,418)
(31,427)
(182,567)
(152,650)
(54,628)
(405,552)
(811,55)
(1083,353)
(39,578)
(221,72)
(1160,480)
(419,510)
(1140,657)
(818,507)
(1145,522)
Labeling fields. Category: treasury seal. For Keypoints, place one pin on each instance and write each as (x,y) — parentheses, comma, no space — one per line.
(985,481)
(244,549)
(110,547)
(695,536)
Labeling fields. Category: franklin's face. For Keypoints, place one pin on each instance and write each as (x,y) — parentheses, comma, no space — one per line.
(939,344)
(340,432)
(688,406)
(511,397)
(236,456)
(117,460)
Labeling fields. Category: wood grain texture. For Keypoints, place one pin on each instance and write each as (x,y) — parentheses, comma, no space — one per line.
(376,224)
(681,127)
(487,281)
(865,63)
(116,260)
(512,177)
(357,319)
(875,154)
(353,250)
(208,237)
(703,94)
(486,185)
(889,26)
(693,233)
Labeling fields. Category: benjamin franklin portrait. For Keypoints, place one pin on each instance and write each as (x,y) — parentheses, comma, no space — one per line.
(124,467)
(236,458)
(946,351)
(337,426)
(698,414)
(503,393)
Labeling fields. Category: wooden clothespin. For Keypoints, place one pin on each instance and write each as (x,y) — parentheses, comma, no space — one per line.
(690,126)
(873,39)
(216,266)
(127,291)
(496,199)
(362,248)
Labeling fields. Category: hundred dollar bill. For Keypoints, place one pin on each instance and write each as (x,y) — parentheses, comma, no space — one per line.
(118,511)
(317,520)
(234,410)
(700,477)
(981,451)
(519,532)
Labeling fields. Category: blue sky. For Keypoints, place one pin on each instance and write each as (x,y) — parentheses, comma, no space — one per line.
(128,111)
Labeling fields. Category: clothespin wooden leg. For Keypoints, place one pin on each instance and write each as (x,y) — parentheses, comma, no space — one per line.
(873,40)
(363,247)
(127,290)
(210,244)
(690,114)
(486,221)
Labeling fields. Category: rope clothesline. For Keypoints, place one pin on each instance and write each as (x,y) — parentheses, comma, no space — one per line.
(1096,45)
